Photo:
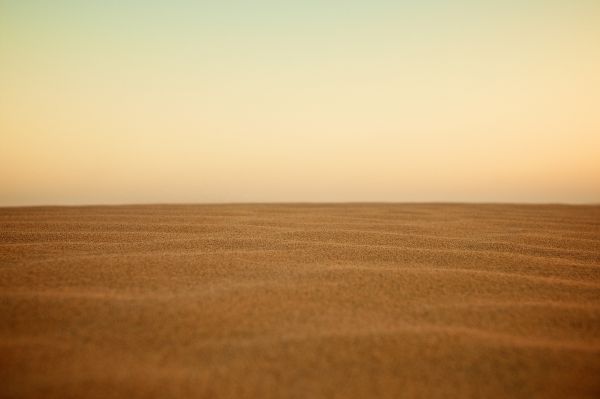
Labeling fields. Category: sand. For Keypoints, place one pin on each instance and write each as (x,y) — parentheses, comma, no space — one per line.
(300,301)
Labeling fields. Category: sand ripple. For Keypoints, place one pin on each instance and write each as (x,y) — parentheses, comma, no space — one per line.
(354,300)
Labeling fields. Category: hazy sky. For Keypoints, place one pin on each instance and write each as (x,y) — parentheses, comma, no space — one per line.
(313,100)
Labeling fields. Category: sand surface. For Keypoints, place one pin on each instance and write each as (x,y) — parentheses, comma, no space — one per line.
(300,301)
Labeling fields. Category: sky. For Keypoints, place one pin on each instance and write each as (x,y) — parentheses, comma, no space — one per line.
(111,102)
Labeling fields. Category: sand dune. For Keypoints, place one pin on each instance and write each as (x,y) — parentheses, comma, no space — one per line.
(300,301)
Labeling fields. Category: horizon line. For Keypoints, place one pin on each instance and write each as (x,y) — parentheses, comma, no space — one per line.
(297,203)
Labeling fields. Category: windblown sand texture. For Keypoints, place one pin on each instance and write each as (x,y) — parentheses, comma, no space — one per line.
(300,301)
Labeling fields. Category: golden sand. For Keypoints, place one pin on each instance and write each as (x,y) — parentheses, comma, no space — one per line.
(300,301)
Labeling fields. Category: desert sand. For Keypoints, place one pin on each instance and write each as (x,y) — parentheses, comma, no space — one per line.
(300,301)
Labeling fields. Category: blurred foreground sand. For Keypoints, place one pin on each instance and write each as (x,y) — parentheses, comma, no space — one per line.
(300,301)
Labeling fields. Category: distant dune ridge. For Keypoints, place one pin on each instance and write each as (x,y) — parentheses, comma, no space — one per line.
(300,301)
